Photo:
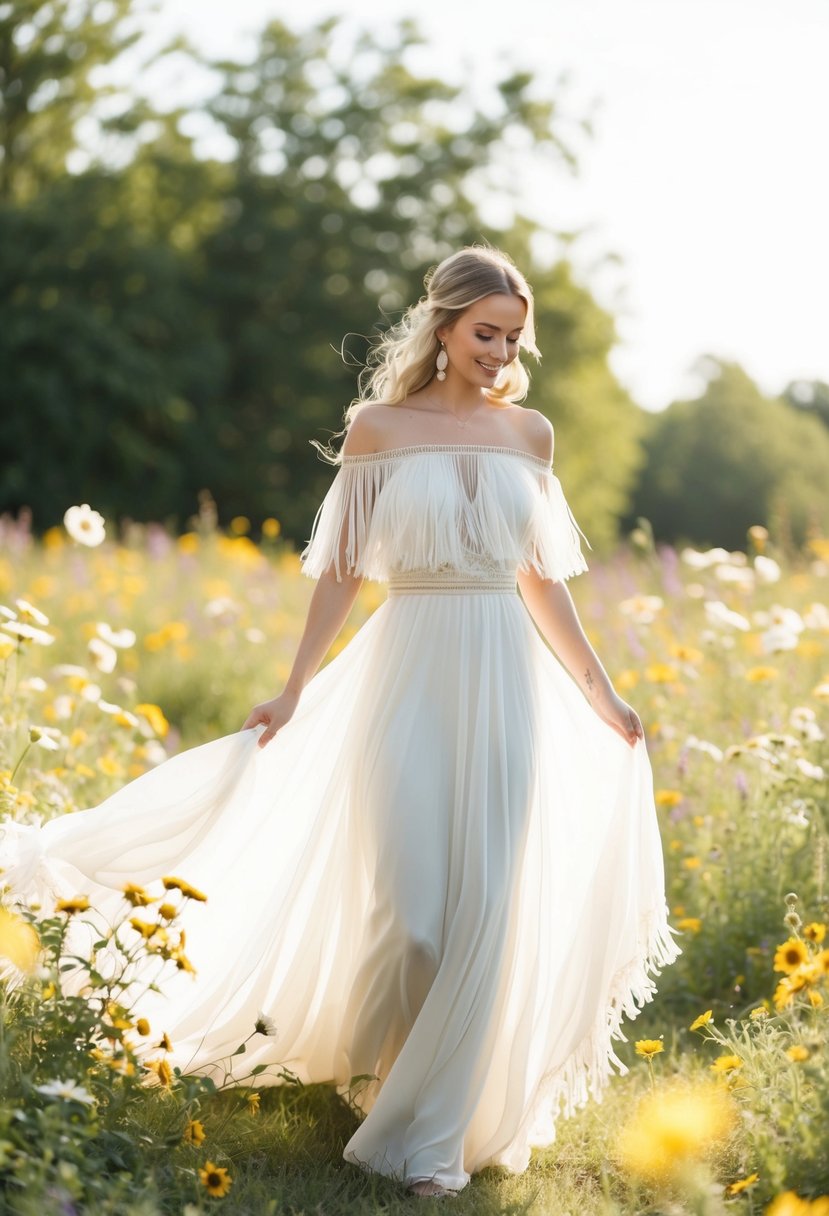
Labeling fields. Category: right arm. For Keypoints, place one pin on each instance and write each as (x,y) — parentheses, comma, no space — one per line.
(328,611)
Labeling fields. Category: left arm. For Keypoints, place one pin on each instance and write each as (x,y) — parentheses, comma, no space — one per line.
(551,607)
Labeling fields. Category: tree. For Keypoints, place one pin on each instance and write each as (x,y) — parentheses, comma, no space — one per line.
(47,54)
(810,397)
(172,323)
(732,458)
(105,359)
(598,427)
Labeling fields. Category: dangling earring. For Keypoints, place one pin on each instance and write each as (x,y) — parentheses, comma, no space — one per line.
(442,362)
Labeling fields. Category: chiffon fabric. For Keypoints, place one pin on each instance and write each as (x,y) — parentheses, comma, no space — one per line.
(443,878)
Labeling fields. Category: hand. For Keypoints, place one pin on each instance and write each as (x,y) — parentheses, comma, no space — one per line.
(621,716)
(274,714)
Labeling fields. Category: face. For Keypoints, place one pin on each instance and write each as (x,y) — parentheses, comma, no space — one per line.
(484,339)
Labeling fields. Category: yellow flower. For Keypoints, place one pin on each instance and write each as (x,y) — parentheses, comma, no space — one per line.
(815,999)
(253,1103)
(109,765)
(271,528)
(661,673)
(215,1180)
(791,955)
(188,542)
(80,903)
(161,1069)
(815,932)
(788,1204)
(761,675)
(798,1053)
(155,716)
(167,911)
(182,961)
(673,1126)
(117,1017)
(735,1188)
(19,943)
(727,1064)
(649,1047)
(783,994)
(165,1042)
(240,525)
(686,654)
(692,924)
(702,1020)
(668,797)
(757,1014)
(136,895)
(194,1132)
(691,863)
(178,884)
(143,927)
(142,1026)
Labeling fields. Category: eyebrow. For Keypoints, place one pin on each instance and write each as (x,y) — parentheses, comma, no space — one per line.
(488,325)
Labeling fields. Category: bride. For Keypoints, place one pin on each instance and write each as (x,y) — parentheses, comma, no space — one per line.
(433,863)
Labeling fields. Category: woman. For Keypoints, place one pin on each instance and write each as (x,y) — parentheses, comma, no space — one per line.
(435,864)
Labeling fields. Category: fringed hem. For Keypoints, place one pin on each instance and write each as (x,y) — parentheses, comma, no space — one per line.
(591,1066)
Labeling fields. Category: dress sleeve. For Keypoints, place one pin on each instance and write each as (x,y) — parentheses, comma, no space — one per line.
(555,549)
(341,528)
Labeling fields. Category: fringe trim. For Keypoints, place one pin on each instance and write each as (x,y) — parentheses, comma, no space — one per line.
(352,535)
(591,1066)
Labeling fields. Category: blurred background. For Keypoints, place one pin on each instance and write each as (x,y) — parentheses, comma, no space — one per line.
(208,210)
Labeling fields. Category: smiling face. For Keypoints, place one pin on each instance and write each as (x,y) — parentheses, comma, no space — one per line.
(483,341)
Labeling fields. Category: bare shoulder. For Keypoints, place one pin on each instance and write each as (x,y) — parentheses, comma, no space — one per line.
(537,432)
(365,431)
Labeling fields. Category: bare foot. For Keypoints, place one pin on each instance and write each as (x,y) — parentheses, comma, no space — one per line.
(428,1187)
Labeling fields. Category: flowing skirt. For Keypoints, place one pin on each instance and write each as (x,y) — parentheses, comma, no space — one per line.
(444,875)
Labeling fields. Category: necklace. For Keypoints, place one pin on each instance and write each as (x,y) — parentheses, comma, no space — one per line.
(446,410)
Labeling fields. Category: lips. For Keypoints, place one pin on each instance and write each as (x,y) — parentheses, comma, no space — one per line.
(492,371)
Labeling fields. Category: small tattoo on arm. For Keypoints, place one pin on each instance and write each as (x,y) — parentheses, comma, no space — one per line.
(589,681)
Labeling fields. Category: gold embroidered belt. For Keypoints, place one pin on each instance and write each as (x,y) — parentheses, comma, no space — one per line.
(450,582)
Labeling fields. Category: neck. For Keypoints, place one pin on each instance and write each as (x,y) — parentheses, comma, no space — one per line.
(457,394)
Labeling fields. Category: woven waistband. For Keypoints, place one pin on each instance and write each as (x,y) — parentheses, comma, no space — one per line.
(450,582)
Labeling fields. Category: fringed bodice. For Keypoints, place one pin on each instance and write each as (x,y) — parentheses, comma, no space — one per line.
(480,511)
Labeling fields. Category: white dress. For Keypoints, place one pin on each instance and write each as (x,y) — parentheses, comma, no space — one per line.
(444,873)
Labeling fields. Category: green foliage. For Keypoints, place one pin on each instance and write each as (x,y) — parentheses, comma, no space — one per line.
(47,53)
(598,428)
(730,459)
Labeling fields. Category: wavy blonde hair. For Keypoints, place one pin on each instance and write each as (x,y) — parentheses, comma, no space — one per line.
(402,360)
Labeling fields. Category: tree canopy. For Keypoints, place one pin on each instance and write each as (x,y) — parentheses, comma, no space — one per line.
(172,322)
(732,458)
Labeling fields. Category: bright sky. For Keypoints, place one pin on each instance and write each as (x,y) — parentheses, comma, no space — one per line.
(707,175)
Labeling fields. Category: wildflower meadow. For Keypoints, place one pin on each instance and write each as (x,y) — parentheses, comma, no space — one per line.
(119,650)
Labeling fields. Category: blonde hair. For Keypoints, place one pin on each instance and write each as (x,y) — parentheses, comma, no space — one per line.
(402,360)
